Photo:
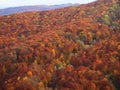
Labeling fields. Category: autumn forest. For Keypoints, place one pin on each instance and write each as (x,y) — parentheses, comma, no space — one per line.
(72,48)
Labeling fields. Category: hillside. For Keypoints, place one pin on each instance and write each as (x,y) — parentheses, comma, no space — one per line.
(20,9)
(72,48)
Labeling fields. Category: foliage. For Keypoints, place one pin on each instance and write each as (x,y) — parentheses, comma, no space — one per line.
(112,18)
(62,49)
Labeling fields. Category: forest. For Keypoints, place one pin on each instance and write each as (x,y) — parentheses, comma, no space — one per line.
(72,48)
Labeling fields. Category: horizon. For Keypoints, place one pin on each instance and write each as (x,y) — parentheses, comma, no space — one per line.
(18,3)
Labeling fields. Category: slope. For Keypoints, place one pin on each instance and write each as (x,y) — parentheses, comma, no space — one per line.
(64,49)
